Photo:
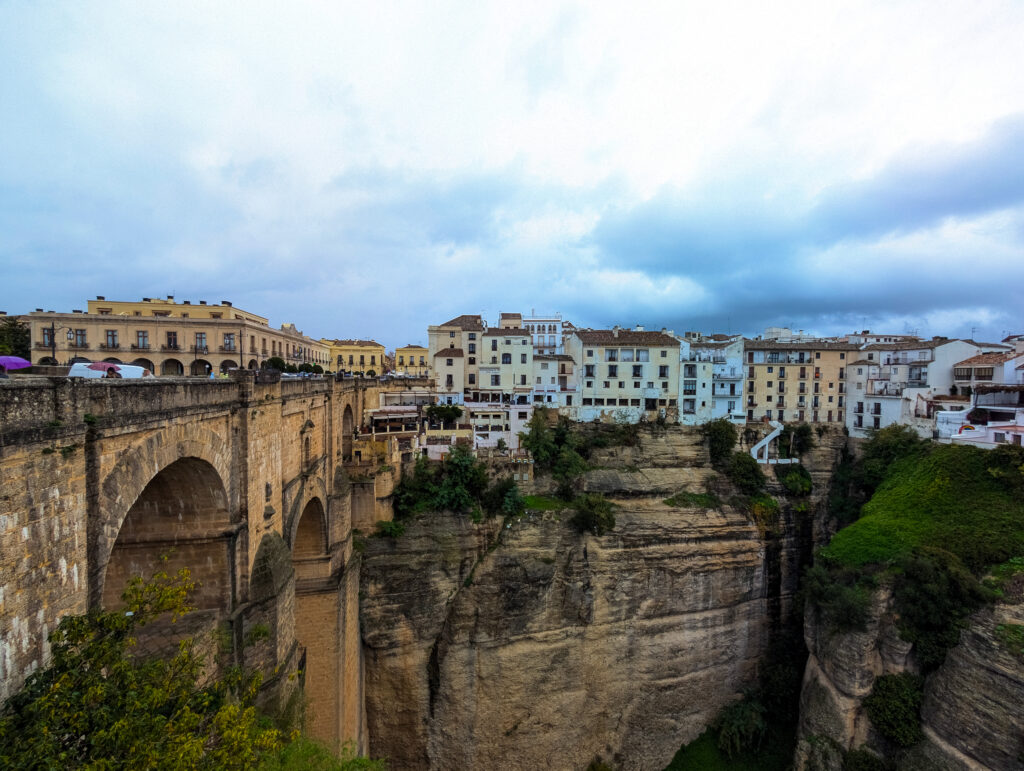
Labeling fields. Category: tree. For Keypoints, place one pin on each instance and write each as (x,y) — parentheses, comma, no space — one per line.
(594,514)
(539,439)
(101,704)
(745,473)
(443,413)
(275,362)
(721,436)
(15,339)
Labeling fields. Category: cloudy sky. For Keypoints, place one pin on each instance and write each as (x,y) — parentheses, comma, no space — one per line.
(367,169)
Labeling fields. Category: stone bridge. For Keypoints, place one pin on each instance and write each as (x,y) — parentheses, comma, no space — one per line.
(249,482)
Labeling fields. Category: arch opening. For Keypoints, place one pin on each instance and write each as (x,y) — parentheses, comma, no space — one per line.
(200,368)
(311,532)
(228,364)
(113,360)
(253,364)
(347,428)
(171,367)
(181,515)
(146,363)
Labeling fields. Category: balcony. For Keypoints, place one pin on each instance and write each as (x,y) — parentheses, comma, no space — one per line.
(136,347)
(170,347)
(200,349)
(227,349)
(110,347)
(84,346)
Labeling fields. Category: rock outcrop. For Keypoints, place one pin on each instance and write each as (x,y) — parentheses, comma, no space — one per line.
(971,713)
(528,645)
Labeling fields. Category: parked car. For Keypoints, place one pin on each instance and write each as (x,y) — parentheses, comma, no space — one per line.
(126,371)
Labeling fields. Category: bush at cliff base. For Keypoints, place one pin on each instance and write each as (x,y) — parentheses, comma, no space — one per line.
(939,517)
(98,705)
(894,707)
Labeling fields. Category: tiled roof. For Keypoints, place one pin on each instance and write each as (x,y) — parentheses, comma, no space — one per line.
(359,343)
(510,332)
(913,345)
(553,357)
(511,315)
(449,353)
(818,345)
(986,359)
(410,345)
(467,323)
(625,337)
(1011,338)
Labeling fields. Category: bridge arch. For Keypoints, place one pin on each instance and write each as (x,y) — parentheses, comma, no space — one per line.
(198,492)
(180,520)
(347,430)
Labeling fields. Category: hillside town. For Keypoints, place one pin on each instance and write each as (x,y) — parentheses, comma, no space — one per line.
(497,374)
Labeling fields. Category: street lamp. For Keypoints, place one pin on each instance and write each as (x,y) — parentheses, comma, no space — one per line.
(53,338)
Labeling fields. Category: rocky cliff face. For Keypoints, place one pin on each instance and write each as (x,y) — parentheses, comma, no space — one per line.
(971,714)
(528,645)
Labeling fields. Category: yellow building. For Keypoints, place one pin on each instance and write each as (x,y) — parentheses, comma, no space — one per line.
(365,356)
(796,380)
(411,360)
(168,337)
(463,333)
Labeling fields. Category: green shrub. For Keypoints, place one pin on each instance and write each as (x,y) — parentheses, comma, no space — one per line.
(745,473)
(390,529)
(934,595)
(1011,636)
(686,500)
(503,499)
(795,479)
(794,441)
(841,595)
(894,707)
(863,760)
(741,726)
(594,514)
(721,437)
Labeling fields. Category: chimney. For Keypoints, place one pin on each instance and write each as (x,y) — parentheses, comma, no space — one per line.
(202,302)
(76,311)
(100,297)
(615,331)
(186,302)
(170,297)
(39,310)
(225,302)
(146,300)
(638,328)
(669,332)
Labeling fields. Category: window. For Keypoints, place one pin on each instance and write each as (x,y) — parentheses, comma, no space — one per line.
(472,335)
(472,378)
(663,370)
(472,347)
(587,401)
(472,360)
(229,341)
(80,339)
(506,358)
(522,416)
(664,354)
(621,384)
(588,370)
(607,384)
(451,334)
(494,344)
(522,380)
(642,354)
(590,353)
(664,385)
(959,373)
(142,339)
(611,354)
(111,338)
(522,358)
(613,370)
(449,362)
(638,370)
(626,354)
(771,370)
(983,373)
(495,380)
(401,360)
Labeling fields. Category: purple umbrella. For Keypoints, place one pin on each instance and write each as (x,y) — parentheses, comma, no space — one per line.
(104,366)
(13,362)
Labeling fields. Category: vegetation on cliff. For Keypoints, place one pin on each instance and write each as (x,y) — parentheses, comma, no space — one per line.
(935,518)
(460,484)
(103,704)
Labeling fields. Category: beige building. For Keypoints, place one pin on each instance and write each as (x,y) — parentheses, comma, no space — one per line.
(506,367)
(411,360)
(168,337)
(797,380)
(463,333)
(356,356)
(627,373)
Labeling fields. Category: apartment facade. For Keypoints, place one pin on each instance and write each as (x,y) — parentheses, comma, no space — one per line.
(625,374)
(364,356)
(547,332)
(411,361)
(462,333)
(168,337)
(894,382)
(796,380)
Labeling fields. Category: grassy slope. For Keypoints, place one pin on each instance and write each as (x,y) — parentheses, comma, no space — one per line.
(702,754)
(946,500)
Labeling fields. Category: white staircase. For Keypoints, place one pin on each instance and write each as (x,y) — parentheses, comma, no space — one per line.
(756,450)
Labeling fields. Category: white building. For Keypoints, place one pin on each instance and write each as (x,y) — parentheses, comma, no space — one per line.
(898,383)
(725,354)
(547,332)
(1003,406)
(555,383)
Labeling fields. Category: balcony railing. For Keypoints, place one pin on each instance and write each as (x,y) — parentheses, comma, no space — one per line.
(110,347)
(170,347)
(137,347)
(227,349)
(200,349)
